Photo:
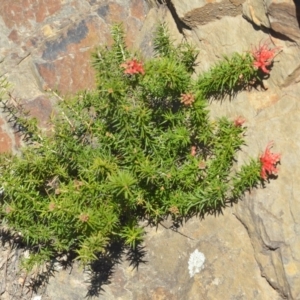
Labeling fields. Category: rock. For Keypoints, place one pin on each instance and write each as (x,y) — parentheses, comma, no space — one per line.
(10,139)
(201,12)
(41,109)
(58,38)
(46,47)
(6,141)
(231,34)
(281,16)
(284,19)
(270,215)
(164,272)
(144,41)
(255,12)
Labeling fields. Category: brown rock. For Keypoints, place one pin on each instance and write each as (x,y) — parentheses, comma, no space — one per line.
(283,19)
(41,109)
(165,276)
(137,9)
(200,12)
(161,293)
(68,59)
(65,63)
(41,13)
(11,13)
(60,46)
(9,140)
(16,13)
(5,142)
(261,100)
(281,16)
(116,12)
(14,36)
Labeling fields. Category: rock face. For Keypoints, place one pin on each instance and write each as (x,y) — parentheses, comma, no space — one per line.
(58,36)
(201,12)
(252,251)
(229,270)
(270,216)
(282,17)
(47,45)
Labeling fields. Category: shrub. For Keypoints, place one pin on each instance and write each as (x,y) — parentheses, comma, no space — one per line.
(237,72)
(140,146)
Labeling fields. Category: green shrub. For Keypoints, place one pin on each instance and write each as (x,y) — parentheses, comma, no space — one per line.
(140,146)
(229,76)
(238,72)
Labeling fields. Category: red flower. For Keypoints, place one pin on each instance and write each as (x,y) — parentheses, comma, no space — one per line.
(187,99)
(133,67)
(268,162)
(263,57)
(239,121)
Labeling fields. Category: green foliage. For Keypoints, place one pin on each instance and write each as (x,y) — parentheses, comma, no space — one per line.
(184,53)
(165,78)
(4,85)
(139,146)
(119,48)
(228,76)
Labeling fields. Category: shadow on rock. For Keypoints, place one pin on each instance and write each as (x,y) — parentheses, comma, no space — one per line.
(14,280)
(101,270)
(136,256)
(297,4)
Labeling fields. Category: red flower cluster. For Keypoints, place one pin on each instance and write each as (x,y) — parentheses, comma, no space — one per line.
(187,99)
(268,162)
(133,67)
(239,121)
(263,57)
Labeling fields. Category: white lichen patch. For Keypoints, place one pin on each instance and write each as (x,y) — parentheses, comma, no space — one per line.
(196,262)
